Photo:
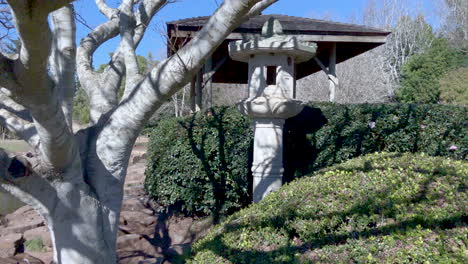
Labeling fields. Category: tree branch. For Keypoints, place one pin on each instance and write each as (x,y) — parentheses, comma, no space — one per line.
(105,9)
(36,89)
(127,25)
(17,119)
(18,177)
(145,12)
(259,7)
(7,76)
(100,101)
(102,88)
(62,59)
(173,73)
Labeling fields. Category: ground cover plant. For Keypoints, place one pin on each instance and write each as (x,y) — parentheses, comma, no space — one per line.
(379,208)
(201,164)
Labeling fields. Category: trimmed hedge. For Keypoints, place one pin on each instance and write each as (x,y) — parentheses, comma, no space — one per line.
(354,130)
(379,208)
(201,164)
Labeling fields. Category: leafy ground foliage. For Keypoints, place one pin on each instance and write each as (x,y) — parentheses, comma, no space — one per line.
(379,208)
(201,164)
(35,245)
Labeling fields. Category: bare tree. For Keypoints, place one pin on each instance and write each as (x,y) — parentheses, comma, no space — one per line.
(6,24)
(454,20)
(78,184)
(374,76)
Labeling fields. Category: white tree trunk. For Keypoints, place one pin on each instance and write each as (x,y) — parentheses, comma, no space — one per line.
(77,185)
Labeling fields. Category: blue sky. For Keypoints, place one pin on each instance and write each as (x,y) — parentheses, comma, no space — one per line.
(337,10)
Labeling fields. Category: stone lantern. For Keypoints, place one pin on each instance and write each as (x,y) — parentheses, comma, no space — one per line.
(271,97)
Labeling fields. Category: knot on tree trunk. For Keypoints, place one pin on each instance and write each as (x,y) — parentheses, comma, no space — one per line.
(19,167)
(13,167)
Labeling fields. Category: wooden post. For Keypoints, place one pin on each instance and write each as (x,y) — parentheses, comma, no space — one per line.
(331,73)
(332,79)
(208,87)
(192,95)
(199,91)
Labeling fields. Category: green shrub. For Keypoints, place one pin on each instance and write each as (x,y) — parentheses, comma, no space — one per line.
(200,164)
(379,208)
(196,161)
(420,75)
(81,107)
(454,87)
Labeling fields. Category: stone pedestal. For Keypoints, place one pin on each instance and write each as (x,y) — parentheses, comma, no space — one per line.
(269,114)
(271,89)
(267,167)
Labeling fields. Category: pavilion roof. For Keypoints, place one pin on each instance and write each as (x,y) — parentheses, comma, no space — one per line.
(350,40)
(291,25)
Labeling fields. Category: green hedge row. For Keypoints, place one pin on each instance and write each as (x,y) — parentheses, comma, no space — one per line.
(198,164)
(378,208)
(201,164)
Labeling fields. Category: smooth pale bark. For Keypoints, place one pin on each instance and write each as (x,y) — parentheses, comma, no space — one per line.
(104,97)
(77,185)
(62,58)
(17,119)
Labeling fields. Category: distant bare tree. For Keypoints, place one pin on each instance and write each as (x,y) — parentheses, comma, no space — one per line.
(374,76)
(6,24)
(454,20)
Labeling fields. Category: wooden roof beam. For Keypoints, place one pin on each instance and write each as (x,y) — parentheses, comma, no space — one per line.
(302,37)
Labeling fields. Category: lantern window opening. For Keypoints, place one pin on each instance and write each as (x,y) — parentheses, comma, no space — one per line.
(271,75)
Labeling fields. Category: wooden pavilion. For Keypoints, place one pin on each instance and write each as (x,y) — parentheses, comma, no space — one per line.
(336,42)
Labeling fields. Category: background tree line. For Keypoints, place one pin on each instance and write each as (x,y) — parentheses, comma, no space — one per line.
(418,64)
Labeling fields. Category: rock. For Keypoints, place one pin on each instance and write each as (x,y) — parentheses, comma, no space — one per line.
(179,230)
(138,157)
(46,257)
(135,228)
(133,204)
(134,248)
(147,212)
(136,173)
(21,259)
(134,191)
(152,261)
(128,241)
(138,257)
(179,249)
(137,217)
(136,222)
(39,232)
(22,211)
(23,225)
(9,244)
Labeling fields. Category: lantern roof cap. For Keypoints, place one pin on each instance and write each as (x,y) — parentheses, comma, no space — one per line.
(272,41)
